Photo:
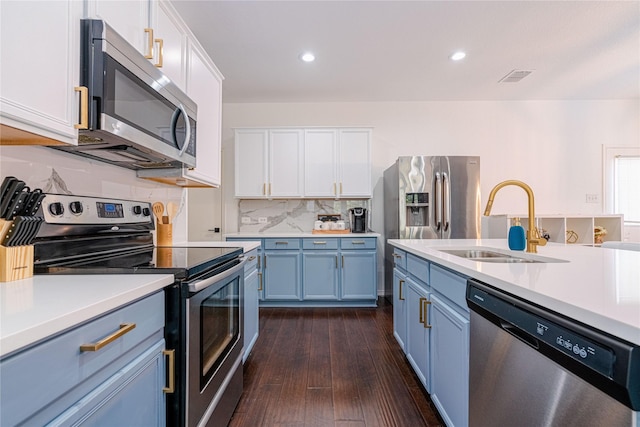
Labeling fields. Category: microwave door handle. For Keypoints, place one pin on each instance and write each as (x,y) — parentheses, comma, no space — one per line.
(174,120)
(438,200)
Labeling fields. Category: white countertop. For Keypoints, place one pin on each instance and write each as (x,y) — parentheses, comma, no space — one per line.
(36,308)
(597,286)
(299,235)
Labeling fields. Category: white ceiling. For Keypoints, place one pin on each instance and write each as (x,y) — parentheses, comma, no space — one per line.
(398,50)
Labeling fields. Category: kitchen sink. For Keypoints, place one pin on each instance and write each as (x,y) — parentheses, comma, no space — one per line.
(497,256)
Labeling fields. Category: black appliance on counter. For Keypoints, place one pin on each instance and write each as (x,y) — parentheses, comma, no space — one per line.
(203,307)
(358,220)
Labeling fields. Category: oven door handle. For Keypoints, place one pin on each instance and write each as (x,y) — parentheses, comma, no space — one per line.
(199,285)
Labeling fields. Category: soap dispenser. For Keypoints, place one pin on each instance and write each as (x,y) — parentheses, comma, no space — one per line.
(517,239)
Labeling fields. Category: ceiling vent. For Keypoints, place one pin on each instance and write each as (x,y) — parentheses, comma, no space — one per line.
(515,76)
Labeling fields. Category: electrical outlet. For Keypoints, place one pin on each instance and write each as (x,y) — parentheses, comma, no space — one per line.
(592,198)
(262,220)
(246,220)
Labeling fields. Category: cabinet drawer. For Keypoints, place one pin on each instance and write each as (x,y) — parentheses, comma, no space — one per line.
(358,243)
(281,244)
(399,258)
(320,243)
(252,261)
(450,285)
(59,371)
(418,268)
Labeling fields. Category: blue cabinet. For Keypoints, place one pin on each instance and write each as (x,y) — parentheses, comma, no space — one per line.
(322,271)
(431,324)
(400,307)
(417,345)
(450,362)
(252,286)
(63,381)
(358,275)
(282,275)
(450,346)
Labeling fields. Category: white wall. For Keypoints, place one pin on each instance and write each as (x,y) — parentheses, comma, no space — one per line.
(554,146)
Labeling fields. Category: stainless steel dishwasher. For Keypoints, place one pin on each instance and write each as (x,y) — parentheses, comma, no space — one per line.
(531,367)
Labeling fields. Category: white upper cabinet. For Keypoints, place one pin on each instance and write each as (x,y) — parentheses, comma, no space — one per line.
(269,163)
(311,163)
(320,153)
(170,43)
(37,93)
(204,86)
(354,163)
(131,19)
(251,172)
(337,163)
(285,163)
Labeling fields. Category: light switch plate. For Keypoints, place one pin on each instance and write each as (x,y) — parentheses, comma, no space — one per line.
(246,220)
(262,220)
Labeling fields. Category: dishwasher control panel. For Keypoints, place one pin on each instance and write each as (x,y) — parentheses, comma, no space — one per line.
(536,327)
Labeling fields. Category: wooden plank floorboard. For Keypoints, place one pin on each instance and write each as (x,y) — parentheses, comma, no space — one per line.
(334,367)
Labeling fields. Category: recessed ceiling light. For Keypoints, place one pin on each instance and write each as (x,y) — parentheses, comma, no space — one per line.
(308,57)
(457,56)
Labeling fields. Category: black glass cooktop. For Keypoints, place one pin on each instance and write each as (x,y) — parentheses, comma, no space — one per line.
(183,262)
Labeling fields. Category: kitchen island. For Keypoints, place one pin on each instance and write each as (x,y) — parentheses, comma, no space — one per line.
(593,288)
(596,286)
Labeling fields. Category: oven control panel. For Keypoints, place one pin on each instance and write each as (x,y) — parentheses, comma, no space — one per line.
(70,209)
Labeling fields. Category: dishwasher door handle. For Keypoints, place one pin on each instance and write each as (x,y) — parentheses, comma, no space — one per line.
(520,334)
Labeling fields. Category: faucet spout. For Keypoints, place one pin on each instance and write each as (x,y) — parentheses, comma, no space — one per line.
(533,237)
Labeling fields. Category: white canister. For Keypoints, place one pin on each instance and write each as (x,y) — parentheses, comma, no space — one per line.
(340,225)
(327,225)
(317,225)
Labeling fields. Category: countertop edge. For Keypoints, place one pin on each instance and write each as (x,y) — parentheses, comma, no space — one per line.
(47,328)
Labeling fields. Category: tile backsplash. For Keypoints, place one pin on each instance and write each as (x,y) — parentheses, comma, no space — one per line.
(291,215)
(57,172)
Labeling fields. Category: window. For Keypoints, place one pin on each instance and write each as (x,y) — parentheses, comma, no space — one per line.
(622,175)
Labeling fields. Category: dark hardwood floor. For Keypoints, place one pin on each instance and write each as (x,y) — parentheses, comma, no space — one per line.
(331,367)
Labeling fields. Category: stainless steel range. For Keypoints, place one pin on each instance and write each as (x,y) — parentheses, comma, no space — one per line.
(88,235)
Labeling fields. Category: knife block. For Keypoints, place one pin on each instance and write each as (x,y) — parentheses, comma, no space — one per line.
(16,263)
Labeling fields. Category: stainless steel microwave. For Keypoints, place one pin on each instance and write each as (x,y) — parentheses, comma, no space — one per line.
(131,114)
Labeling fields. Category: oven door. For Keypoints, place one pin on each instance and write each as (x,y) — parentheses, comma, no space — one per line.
(214,347)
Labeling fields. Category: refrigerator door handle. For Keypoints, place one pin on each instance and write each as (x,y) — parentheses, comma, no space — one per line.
(438,204)
(446,205)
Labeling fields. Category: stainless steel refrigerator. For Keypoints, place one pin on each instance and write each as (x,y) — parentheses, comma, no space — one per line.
(430,197)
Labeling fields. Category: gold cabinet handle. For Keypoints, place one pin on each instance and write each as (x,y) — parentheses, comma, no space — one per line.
(172,370)
(160,43)
(84,107)
(264,188)
(280,242)
(426,303)
(251,258)
(400,297)
(269,188)
(124,328)
(265,261)
(149,32)
(336,261)
(341,188)
(422,300)
(334,189)
(260,281)
(357,242)
(319,242)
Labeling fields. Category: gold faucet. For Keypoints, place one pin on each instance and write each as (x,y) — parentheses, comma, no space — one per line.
(533,237)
